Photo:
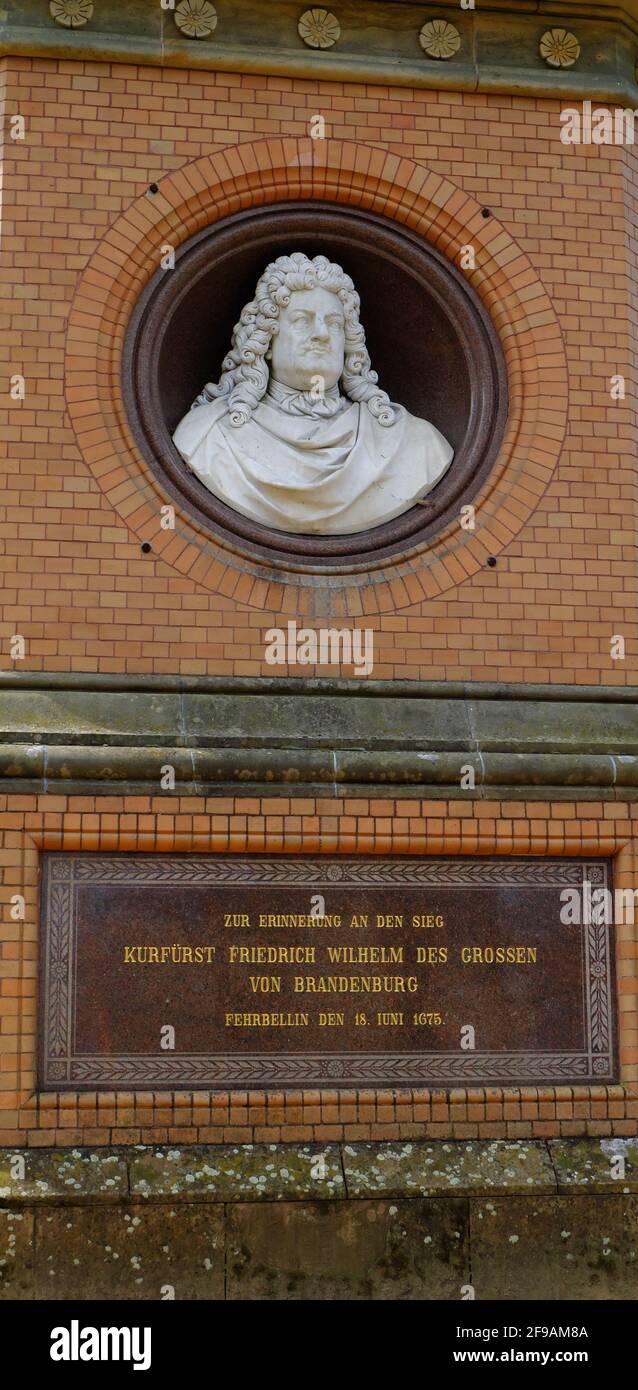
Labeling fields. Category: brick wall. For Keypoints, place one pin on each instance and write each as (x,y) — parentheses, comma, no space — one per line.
(85,598)
(78,587)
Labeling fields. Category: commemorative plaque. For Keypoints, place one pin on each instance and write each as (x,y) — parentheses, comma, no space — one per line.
(191,971)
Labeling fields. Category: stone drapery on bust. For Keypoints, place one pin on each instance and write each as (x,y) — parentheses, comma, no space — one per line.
(298,435)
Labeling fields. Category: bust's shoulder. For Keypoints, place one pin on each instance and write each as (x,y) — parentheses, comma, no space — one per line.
(416,442)
(197,423)
(424,432)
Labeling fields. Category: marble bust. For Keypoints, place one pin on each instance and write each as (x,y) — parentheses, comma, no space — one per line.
(297,435)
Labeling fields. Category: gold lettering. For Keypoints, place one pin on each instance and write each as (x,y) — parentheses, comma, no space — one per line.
(172,955)
(265,984)
(355,984)
(365,955)
(294,920)
(289,1020)
(499,955)
(271,955)
(431,955)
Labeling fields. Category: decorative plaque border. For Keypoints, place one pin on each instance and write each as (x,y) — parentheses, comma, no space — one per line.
(62,1069)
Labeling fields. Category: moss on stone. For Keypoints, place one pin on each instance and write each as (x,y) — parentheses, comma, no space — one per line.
(594,1166)
(54,1175)
(253,1172)
(422,1169)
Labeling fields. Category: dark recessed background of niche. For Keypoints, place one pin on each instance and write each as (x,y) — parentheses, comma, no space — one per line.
(433,384)
(430,340)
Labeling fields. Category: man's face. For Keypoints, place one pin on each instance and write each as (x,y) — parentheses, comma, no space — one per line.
(310,342)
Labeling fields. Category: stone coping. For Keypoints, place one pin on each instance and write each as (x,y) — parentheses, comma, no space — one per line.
(302,1172)
(498,48)
(314,685)
(76,733)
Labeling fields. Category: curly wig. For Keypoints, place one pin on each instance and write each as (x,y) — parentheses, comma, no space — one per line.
(245,373)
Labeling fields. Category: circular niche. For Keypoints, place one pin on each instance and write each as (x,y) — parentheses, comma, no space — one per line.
(429,338)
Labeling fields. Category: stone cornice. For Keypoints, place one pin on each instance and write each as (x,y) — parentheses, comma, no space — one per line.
(144,1174)
(378,43)
(105,734)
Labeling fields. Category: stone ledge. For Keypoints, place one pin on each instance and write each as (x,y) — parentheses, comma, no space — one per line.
(316,1172)
(420,1221)
(80,734)
(379,42)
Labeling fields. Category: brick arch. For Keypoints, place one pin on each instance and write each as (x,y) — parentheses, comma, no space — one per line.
(268,171)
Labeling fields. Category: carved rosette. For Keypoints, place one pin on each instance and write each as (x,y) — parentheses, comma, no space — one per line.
(559,48)
(72,14)
(439,39)
(197,19)
(319,29)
